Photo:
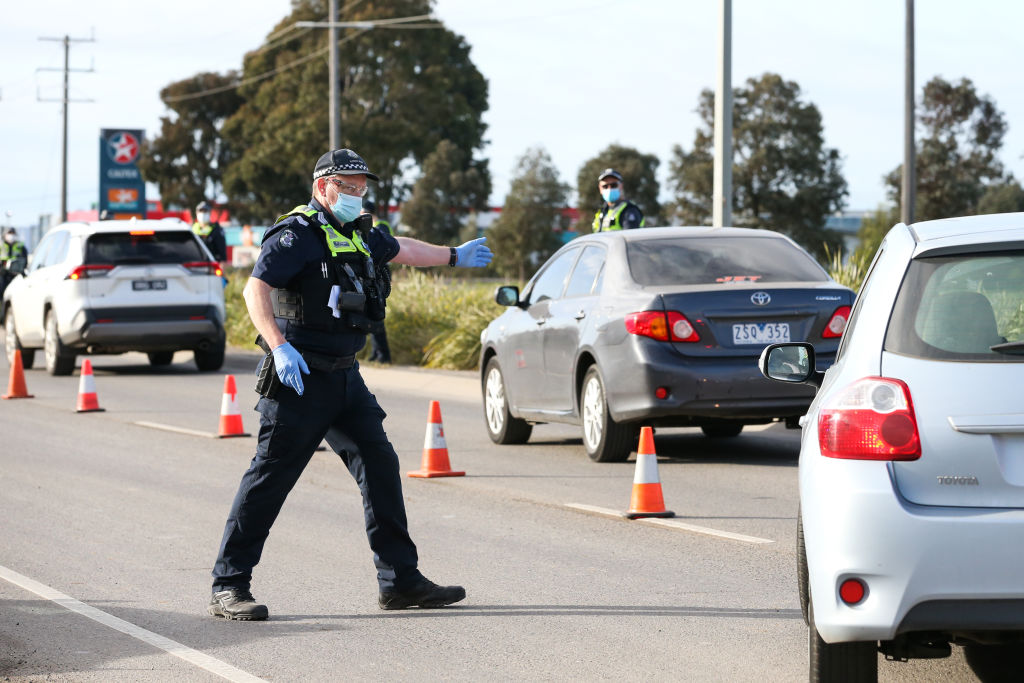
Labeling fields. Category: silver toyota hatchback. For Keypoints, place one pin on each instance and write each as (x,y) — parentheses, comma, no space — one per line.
(911,525)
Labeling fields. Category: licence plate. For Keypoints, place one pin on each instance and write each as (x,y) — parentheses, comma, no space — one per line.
(139,285)
(760,333)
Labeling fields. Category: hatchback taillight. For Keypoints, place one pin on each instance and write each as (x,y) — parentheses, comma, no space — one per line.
(661,325)
(872,419)
(92,270)
(837,323)
(203,267)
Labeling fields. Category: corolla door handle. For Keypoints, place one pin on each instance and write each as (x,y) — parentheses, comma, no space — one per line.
(580,314)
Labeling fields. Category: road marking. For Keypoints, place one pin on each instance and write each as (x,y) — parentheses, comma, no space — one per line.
(179,430)
(671,523)
(203,661)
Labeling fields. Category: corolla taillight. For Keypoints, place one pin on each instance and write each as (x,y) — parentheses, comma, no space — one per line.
(661,325)
(872,419)
(837,323)
(203,267)
(91,270)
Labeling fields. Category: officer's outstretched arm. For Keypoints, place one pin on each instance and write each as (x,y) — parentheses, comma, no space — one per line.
(261,311)
(472,254)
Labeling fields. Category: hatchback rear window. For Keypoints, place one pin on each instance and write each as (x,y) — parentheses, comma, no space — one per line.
(118,248)
(959,307)
(720,260)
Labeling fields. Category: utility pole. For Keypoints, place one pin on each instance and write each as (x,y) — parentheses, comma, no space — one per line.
(909,195)
(332,70)
(721,213)
(67,40)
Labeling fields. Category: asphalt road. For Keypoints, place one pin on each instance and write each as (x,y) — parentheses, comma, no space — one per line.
(109,530)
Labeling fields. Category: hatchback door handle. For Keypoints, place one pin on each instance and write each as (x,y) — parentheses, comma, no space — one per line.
(580,314)
(541,321)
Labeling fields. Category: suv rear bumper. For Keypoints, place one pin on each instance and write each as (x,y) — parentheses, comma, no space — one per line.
(118,330)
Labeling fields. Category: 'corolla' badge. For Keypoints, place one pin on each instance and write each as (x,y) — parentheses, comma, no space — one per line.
(760,298)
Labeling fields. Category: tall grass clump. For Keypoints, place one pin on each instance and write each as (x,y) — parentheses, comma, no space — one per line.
(239,328)
(851,273)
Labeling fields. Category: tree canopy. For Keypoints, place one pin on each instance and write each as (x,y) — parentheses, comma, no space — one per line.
(639,174)
(956,159)
(188,157)
(524,236)
(784,178)
(450,187)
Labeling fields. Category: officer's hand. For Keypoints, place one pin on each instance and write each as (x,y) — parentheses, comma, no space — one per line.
(473,254)
(290,366)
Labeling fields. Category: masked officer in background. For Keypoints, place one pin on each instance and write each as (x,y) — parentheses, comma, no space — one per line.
(315,292)
(211,233)
(13,258)
(380,352)
(617,212)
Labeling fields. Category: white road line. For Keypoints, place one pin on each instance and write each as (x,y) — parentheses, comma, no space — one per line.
(203,661)
(671,523)
(179,430)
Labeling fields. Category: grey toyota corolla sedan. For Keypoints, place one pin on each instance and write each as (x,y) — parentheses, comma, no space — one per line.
(657,327)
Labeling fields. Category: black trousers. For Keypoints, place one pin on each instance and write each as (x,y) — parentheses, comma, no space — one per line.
(334,405)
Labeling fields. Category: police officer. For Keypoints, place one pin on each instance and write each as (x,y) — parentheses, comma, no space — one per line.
(211,233)
(617,212)
(314,293)
(13,258)
(380,352)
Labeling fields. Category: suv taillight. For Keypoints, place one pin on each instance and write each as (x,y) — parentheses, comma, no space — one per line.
(82,272)
(872,419)
(837,323)
(203,267)
(662,326)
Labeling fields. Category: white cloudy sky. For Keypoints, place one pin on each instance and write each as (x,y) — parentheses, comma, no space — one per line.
(570,75)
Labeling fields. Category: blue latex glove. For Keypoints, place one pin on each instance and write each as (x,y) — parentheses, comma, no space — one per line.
(290,366)
(473,254)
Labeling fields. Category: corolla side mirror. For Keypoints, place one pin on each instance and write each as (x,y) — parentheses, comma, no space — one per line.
(791,362)
(507,295)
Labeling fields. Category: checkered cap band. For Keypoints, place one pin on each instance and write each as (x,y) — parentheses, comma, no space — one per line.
(341,162)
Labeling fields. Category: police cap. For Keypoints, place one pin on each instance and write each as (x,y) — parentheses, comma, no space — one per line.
(369,206)
(342,162)
(609,172)
(203,206)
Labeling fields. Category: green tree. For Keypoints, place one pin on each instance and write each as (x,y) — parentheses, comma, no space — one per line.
(402,93)
(526,233)
(956,158)
(784,178)
(1006,197)
(449,188)
(873,229)
(639,177)
(187,158)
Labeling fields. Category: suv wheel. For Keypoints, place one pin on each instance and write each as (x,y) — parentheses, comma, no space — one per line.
(720,429)
(605,439)
(12,343)
(211,358)
(59,359)
(502,427)
(160,358)
(848,662)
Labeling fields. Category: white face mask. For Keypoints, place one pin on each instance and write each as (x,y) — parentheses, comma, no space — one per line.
(9,238)
(202,217)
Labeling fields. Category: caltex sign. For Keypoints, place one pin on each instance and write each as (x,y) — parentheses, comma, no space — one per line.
(122,190)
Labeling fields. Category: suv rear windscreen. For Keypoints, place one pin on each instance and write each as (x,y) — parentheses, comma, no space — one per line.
(125,248)
(959,307)
(720,260)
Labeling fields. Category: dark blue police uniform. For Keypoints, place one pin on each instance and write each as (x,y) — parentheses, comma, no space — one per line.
(335,405)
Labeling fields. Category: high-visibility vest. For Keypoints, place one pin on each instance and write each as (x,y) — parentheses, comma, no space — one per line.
(381,221)
(336,242)
(611,219)
(202,229)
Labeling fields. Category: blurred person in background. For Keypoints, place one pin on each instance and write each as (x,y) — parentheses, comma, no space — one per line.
(617,212)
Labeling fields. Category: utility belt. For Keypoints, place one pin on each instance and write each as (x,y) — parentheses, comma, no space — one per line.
(268,383)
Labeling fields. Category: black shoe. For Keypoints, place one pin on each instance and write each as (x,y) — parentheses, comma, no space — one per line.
(425,593)
(236,603)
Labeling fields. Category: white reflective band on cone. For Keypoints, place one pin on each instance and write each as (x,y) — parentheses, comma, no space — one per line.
(434,438)
(229,405)
(87,384)
(646,469)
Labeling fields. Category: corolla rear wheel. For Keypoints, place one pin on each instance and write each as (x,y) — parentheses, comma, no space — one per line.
(59,360)
(502,427)
(835,662)
(12,343)
(605,439)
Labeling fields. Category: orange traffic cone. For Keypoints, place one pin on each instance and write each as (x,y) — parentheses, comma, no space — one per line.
(647,500)
(16,387)
(230,416)
(435,450)
(88,402)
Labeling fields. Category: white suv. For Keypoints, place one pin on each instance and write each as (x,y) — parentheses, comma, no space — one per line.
(911,527)
(115,286)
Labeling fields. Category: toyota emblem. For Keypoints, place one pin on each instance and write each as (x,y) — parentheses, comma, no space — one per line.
(760,298)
